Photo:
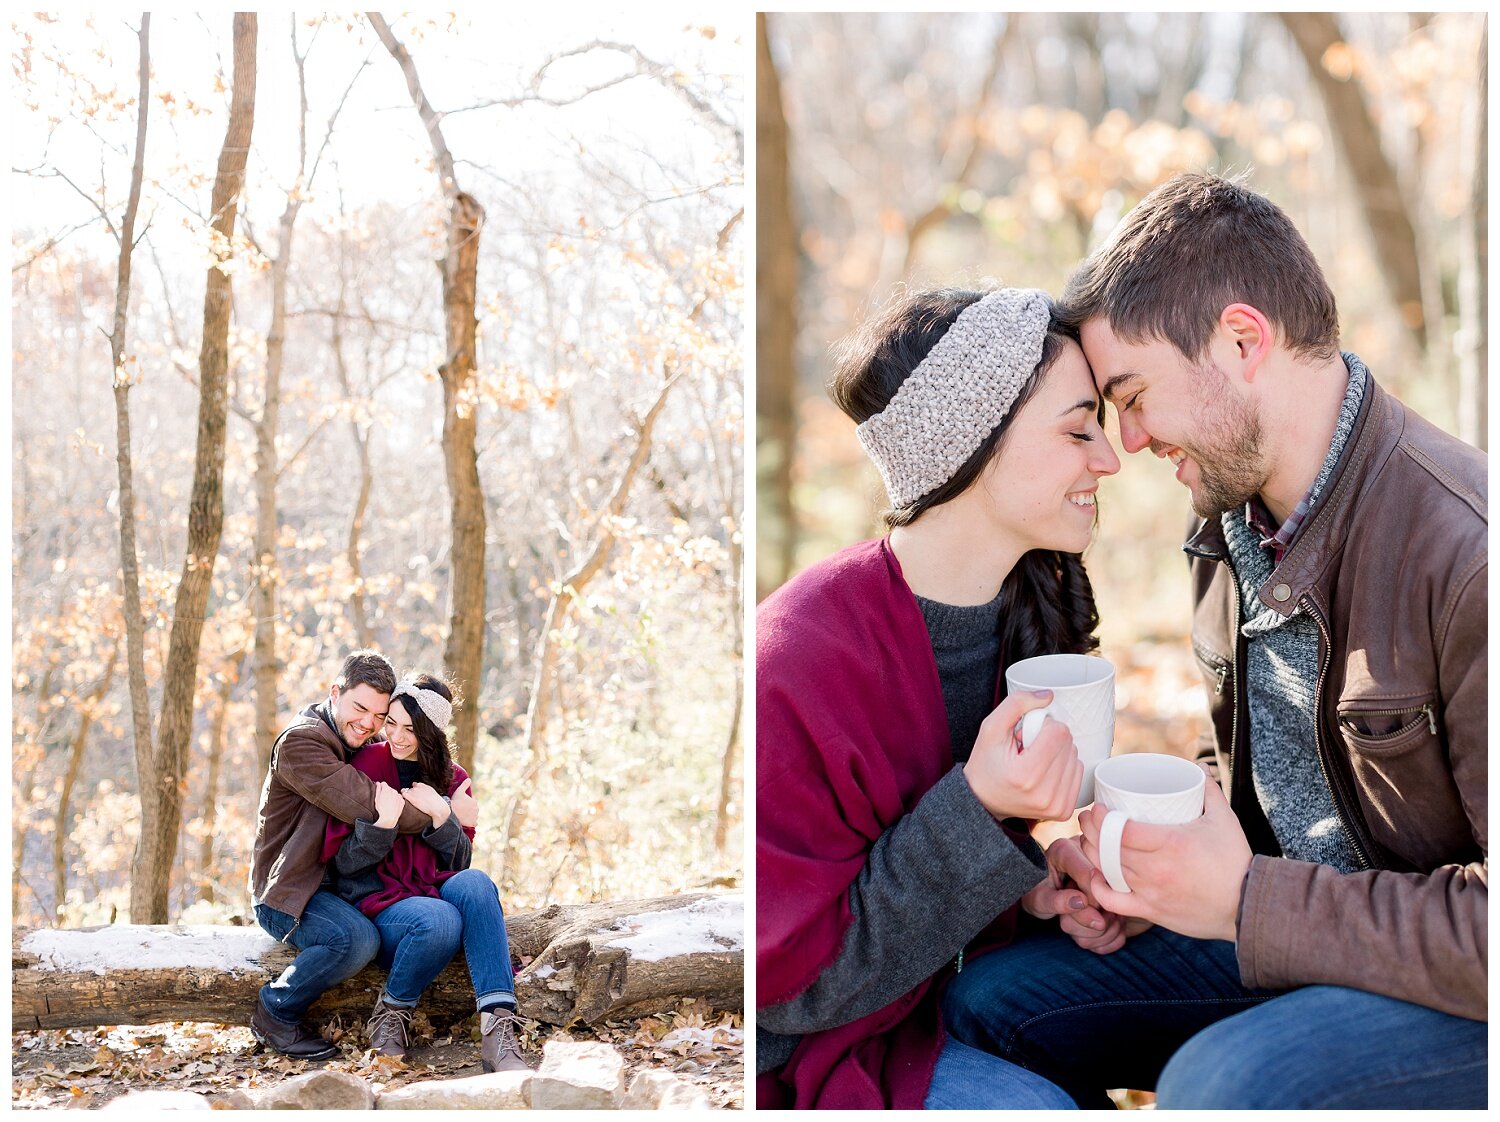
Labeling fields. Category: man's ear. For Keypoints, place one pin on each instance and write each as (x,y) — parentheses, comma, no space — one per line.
(333,693)
(1246,334)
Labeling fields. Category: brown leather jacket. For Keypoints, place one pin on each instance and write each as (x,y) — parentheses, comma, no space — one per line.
(1392,568)
(310,779)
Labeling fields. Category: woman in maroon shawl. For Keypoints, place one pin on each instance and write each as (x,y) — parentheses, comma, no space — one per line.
(892,799)
(419,889)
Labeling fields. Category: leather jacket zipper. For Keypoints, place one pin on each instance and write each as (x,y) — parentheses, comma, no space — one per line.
(1325,659)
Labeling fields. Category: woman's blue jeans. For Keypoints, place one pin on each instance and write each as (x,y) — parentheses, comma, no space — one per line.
(334,941)
(420,935)
(968,1079)
(1089,1022)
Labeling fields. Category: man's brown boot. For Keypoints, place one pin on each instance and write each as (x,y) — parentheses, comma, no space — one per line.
(297,1041)
(387,1027)
(498,1048)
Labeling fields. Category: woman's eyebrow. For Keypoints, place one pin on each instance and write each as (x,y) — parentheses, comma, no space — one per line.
(1089,403)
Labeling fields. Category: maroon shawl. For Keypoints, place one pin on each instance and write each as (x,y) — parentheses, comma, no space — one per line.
(851,732)
(411,868)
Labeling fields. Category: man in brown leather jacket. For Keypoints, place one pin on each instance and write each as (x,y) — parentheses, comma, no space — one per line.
(1320,933)
(310,780)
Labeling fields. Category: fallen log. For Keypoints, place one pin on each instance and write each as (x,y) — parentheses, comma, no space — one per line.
(583,962)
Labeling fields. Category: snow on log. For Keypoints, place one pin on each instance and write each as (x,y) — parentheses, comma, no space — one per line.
(586,962)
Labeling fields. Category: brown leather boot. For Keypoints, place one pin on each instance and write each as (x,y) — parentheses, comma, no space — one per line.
(387,1027)
(297,1041)
(498,1048)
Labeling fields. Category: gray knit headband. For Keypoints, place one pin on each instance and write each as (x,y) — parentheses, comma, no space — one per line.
(957,394)
(438,709)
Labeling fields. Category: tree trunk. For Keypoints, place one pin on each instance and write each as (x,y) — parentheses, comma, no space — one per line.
(1376,185)
(162,786)
(588,962)
(464,653)
(775,323)
(60,830)
(267,462)
(130,579)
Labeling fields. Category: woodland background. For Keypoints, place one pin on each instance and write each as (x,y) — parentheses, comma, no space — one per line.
(949,149)
(585,561)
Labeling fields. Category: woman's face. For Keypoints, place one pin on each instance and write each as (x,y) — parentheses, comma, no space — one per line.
(1041,486)
(398,731)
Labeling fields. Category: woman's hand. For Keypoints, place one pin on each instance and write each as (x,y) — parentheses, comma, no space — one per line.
(429,802)
(1065,894)
(1041,781)
(388,805)
(465,806)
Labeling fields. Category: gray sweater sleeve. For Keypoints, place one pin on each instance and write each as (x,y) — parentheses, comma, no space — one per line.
(365,848)
(453,847)
(932,882)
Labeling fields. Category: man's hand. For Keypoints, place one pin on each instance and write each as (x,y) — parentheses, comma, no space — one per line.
(1041,781)
(1187,878)
(429,802)
(1064,894)
(465,806)
(388,805)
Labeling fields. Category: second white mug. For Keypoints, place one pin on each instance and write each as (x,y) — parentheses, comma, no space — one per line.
(1146,787)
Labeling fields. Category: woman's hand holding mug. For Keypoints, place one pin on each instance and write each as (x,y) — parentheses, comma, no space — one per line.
(1040,781)
(388,805)
(465,805)
(429,802)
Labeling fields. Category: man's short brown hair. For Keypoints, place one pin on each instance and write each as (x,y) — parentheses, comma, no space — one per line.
(367,668)
(1189,249)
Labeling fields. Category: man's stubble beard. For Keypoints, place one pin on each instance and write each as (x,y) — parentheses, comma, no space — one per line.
(1227,452)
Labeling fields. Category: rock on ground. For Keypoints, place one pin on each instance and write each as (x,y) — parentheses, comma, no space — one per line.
(501,1090)
(144,1101)
(661,1090)
(578,1075)
(318,1090)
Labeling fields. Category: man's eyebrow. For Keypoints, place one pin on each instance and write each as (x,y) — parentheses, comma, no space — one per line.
(1088,403)
(1117,383)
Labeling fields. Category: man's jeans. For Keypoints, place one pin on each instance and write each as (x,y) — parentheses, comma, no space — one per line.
(335,942)
(420,935)
(968,1079)
(1089,1022)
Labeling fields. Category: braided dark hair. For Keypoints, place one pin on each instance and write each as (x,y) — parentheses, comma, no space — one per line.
(1048,600)
(433,754)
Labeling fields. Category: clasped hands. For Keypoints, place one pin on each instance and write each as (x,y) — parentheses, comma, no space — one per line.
(462,804)
(1186,878)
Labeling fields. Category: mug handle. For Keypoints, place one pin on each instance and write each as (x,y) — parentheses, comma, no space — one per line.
(1031,724)
(1109,849)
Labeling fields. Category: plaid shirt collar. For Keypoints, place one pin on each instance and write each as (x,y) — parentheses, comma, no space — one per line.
(1277,539)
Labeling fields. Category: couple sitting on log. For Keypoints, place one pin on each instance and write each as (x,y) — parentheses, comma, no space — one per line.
(362,851)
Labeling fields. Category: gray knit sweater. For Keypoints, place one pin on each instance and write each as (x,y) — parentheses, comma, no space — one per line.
(935,879)
(1281,677)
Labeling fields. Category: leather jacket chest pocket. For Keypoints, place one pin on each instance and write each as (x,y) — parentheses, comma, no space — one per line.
(1385,725)
(1401,775)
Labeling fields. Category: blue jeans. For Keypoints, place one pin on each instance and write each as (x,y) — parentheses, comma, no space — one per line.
(968,1079)
(420,935)
(335,942)
(1331,1048)
(1090,1022)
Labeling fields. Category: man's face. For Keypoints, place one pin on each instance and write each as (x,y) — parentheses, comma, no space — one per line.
(1190,414)
(358,711)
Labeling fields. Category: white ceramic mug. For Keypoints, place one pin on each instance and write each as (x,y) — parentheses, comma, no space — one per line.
(1144,787)
(1083,698)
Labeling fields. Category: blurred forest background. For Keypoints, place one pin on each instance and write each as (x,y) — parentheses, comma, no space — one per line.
(929,150)
(461,300)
